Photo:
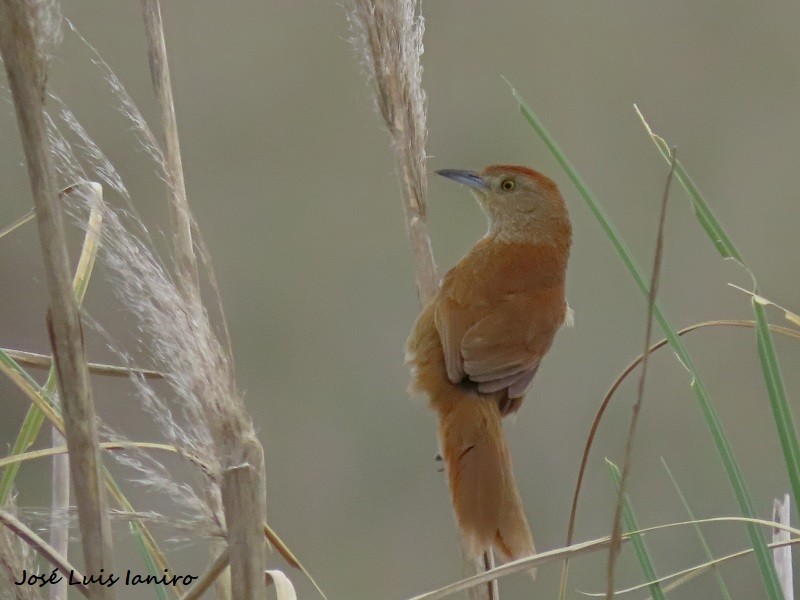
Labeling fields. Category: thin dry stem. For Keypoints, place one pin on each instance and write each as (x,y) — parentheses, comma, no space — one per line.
(20,24)
(242,484)
(607,400)
(182,247)
(616,530)
(685,575)
(492,587)
(43,361)
(516,566)
(59,505)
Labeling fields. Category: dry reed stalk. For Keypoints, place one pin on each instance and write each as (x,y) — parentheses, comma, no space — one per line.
(388,39)
(59,506)
(60,491)
(25,33)
(182,247)
(242,479)
(43,361)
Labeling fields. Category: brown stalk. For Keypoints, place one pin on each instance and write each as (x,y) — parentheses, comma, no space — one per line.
(60,490)
(787,331)
(616,531)
(22,50)
(389,36)
(244,498)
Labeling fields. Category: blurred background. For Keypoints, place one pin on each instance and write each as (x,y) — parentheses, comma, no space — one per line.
(292,183)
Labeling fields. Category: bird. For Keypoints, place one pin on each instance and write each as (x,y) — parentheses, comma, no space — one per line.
(477,344)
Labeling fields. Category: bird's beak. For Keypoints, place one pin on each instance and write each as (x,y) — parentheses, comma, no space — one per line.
(469,178)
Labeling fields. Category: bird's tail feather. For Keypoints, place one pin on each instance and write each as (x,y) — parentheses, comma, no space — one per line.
(484,492)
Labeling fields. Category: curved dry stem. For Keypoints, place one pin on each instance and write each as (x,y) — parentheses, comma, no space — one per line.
(742,323)
(686,575)
(289,556)
(524,564)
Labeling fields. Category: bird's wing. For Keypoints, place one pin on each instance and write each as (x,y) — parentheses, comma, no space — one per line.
(503,349)
(452,322)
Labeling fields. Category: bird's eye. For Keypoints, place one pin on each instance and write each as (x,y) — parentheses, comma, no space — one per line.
(508,184)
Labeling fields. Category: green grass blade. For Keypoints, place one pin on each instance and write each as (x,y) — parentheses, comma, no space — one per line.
(706,549)
(787,433)
(34,419)
(136,532)
(702,210)
(142,538)
(732,470)
(26,436)
(639,548)
(29,430)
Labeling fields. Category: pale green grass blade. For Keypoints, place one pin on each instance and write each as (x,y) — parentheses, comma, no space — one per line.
(28,433)
(34,418)
(787,433)
(136,531)
(724,449)
(715,231)
(54,450)
(793,318)
(648,570)
(706,549)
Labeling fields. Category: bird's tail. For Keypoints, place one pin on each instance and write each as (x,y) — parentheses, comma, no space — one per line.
(484,493)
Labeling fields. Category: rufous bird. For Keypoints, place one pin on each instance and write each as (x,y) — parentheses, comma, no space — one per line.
(477,345)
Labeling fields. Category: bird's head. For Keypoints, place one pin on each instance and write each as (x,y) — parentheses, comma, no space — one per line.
(521,204)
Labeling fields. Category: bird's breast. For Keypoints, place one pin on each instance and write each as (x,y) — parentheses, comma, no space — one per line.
(494,269)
